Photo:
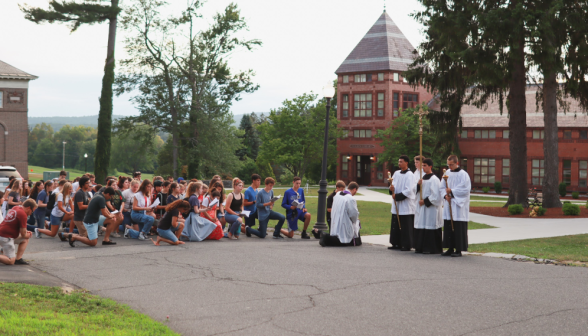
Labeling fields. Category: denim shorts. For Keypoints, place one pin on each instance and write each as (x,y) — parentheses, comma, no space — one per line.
(56,220)
(92,230)
(167,234)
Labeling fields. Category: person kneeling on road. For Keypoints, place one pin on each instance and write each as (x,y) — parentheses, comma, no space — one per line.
(96,207)
(13,231)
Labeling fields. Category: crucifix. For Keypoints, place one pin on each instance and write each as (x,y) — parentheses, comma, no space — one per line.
(421,113)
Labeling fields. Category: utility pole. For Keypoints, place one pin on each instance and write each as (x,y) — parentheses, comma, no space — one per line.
(63,165)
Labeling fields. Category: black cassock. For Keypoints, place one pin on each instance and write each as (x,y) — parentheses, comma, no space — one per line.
(455,239)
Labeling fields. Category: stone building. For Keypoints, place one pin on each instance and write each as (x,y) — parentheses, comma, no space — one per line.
(371,91)
(14,87)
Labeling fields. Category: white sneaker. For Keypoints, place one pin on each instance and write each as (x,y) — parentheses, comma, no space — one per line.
(141,236)
(126,235)
(115,235)
(37,233)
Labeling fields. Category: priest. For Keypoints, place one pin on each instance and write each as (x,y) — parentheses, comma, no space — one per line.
(344,220)
(428,222)
(457,191)
(403,191)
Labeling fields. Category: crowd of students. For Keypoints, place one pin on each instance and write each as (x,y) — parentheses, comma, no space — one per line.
(167,211)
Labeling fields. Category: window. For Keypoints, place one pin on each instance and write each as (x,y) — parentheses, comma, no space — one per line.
(369,77)
(1,101)
(537,134)
(567,134)
(345,134)
(567,172)
(345,78)
(396,79)
(363,105)
(484,170)
(380,76)
(362,133)
(404,79)
(380,104)
(505,170)
(345,112)
(358,166)
(409,100)
(464,164)
(537,172)
(395,103)
(360,78)
(505,134)
(344,166)
(583,171)
(464,134)
(583,134)
(485,134)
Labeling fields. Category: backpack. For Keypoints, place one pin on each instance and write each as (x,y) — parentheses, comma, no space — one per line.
(51,203)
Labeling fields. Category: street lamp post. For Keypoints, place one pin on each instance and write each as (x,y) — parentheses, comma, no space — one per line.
(85,162)
(63,165)
(328,93)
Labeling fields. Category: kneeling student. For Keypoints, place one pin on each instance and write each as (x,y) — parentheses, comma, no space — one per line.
(170,223)
(96,207)
(344,220)
(13,231)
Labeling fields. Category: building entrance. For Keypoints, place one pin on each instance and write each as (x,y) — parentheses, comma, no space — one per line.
(364,170)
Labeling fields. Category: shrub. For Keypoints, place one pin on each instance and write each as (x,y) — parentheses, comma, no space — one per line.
(575,195)
(541,211)
(515,209)
(586,204)
(486,190)
(570,209)
(562,189)
(498,187)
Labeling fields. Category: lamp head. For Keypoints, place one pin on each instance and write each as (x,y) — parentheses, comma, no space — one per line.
(86,155)
(328,91)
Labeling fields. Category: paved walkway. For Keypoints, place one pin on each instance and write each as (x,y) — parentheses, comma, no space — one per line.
(506,228)
(291,287)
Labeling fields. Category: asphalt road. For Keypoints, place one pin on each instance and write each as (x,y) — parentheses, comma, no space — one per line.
(292,287)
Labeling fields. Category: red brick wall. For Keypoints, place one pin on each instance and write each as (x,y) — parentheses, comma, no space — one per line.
(13,120)
(371,146)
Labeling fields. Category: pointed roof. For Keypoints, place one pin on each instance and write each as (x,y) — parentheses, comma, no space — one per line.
(384,47)
(7,71)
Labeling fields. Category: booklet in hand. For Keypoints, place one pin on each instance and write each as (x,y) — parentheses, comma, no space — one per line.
(299,205)
(275,198)
(114,212)
(245,213)
(213,203)
(156,203)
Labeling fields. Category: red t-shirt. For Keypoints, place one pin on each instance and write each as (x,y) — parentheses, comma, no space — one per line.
(15,219)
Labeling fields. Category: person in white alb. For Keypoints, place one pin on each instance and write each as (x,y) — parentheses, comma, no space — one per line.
(457,191)
(403,190)
(418,173)
(428,235)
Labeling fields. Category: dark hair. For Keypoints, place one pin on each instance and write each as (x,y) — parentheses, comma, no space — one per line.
(296,178)
(11,178)
(453,158)
(48,184)
(339,184)
(144,185)
(166,183)
(35,191)
(62,182)
(418,158)
(121,181)
(353,186)
(62,173)
(97,187)
(222,193)
(405,158)
(177,204)
(215,194)
(137,173)
(109,191)
(84,180)
(428,162)
(173,186)
(255,177)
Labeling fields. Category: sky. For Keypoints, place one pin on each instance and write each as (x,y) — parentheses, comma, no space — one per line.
(304,42)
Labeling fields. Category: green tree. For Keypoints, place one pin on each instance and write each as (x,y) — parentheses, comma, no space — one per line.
(36,135)
(136,150)
(402,138)
(292,135)
(89,12)
(250,138)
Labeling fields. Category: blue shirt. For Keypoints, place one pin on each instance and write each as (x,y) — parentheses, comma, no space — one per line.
(42,197)
(251,196)
(289,196)
(262,198)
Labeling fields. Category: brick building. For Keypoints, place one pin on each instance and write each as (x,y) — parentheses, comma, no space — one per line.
(371,91)
(14,87)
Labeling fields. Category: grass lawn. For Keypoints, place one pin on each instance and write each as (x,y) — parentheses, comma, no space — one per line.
(38,310)
(569,248)
(37,173)
(487,204)
(478,226)
(383,191)
(486,198)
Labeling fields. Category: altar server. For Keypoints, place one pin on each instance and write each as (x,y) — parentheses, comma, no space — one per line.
(403,190)
(457,191)
(344,221)
(428,222)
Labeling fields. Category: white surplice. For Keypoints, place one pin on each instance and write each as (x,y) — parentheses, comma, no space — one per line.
(417,196)
(431,217)
(344,218)
(460,185)
(405,183)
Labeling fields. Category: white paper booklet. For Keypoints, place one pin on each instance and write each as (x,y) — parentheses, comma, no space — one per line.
(114,212)
(299,205)
(245,213)
(156,203)
(212,203)
(275,198)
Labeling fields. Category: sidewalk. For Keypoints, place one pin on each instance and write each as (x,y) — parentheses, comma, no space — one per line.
(506,228)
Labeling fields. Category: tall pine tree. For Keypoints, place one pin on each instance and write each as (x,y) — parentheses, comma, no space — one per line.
(89,12)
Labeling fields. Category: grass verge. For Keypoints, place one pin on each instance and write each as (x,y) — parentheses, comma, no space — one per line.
(37,173)
(39,310)
(566,248)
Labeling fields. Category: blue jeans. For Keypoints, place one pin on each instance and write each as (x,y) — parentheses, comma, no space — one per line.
(167,234)
(145,222)
(263,225)
(40,219)
(56,220)
(250,221)
(235,226)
